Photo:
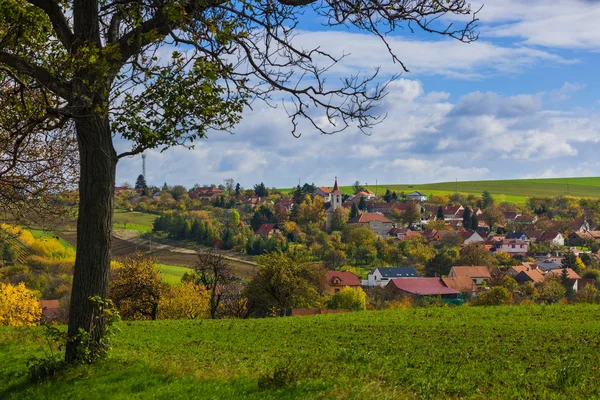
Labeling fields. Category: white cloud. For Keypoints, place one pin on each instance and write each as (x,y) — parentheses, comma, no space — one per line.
(424,138)
(570,24)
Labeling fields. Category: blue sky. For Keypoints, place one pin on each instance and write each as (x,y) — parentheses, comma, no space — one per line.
(523,101)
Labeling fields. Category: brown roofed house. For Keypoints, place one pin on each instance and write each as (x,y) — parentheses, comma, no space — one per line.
(337,280)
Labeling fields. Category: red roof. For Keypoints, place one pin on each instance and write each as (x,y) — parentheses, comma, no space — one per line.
(422,286)
(346,278)
(368,217)
(264,229)
(325,190)
(49,304)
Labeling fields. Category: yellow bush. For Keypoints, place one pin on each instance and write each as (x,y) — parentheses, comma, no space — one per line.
(185,301)
(52,248)
(18,306)
(400,304)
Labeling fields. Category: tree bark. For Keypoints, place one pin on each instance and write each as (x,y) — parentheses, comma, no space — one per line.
(98,161)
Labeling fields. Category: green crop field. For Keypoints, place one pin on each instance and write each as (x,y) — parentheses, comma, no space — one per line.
(133,220)
(514,191)
(172,274)
(526,352)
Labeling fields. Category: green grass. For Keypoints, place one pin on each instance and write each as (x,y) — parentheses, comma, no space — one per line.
(171,273)
(133,220)
(533,352)
(38,233)
(514,191)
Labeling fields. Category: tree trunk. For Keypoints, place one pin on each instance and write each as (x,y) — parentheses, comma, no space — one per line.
(98,161)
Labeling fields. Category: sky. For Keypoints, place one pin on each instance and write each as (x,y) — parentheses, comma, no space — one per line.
(523,101)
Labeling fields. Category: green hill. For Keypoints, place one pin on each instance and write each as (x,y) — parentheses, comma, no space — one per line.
(543,352)
(515,191)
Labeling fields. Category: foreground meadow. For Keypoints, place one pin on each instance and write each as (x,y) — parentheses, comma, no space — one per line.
(542,352)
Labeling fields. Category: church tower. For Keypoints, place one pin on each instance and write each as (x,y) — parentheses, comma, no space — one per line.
(336,202)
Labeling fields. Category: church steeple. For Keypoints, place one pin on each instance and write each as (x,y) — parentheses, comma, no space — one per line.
(335,187)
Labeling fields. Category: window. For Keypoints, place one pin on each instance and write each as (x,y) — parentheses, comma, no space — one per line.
(375,226)
(336,290)
(513,246)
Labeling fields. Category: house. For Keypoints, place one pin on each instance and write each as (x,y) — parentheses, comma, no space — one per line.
(286,204)
(416,196)
(549,265)
(451,212)
(206,192)
(478,274)
(518,235)
(432,235)
(559,272)
(529,275)
(461,283)
(325,193)
(367,194)
(267,231)
(381,276)
(552,238)
(513,247)
(578,284)
(580,225)
(337,280)
(376,222)
(420,287)
(470,237)
(389,208)
(510,216)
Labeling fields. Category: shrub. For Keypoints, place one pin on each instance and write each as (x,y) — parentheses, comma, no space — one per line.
(348,298)
(494,297)
(185,301)
(18,306)
(587,294)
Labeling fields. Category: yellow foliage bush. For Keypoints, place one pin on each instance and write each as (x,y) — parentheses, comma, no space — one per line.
(52,248)
(18,306)
(402,303)
(185,301)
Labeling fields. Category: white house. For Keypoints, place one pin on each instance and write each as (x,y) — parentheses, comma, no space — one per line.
(381,276)
(513,246)
(416,196)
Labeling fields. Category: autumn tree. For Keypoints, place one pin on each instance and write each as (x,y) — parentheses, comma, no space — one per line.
(135,288)
(476,254)
(411,215)
(339,219)
(284,282)
(212,270)
(260,190)
(81,74)
(18,306)
(491,216)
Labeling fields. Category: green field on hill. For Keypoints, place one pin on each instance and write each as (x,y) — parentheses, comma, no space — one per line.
(172,274)
(133,220)
(514,191)
(510,352)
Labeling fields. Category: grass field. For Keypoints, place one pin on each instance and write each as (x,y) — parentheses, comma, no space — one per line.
(527,352)
(172,274)
(133,220)
(515,191)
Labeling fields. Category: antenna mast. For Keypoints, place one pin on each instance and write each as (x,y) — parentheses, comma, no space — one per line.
(144,165)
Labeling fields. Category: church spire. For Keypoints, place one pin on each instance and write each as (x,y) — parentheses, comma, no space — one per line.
(335,187)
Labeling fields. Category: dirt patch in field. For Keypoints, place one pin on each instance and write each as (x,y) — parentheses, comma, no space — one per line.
(124,248)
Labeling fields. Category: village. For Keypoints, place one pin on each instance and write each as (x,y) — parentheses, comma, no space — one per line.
(468,244)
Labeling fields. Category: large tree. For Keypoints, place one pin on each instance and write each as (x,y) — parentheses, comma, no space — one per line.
(162,73)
